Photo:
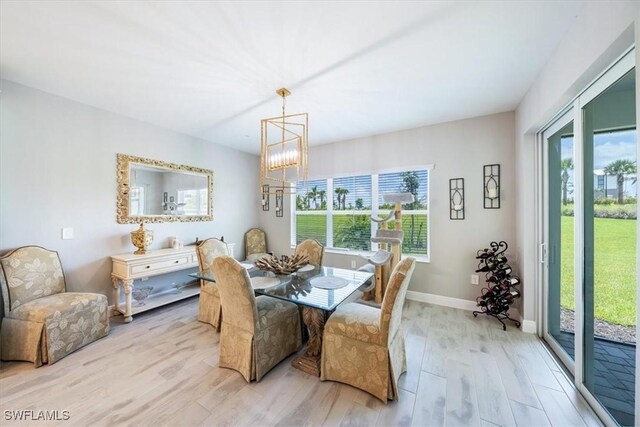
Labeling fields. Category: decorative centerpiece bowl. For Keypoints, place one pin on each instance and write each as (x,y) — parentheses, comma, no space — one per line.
(141,294)
(141,239)
(283,265)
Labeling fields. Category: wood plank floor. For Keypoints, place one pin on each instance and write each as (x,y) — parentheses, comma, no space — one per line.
(162,370)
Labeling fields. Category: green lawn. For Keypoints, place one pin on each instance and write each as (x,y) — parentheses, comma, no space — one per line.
(615,269)
(348,233)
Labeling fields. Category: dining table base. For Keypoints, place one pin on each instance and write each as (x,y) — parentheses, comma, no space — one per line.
(309,362)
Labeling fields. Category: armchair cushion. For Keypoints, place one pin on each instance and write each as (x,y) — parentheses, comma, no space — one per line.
(357,321)
(66,322)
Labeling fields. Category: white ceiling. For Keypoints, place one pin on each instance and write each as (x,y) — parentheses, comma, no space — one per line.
(211,69)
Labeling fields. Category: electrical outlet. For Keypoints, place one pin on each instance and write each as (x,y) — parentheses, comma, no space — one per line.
(475,279)
(67,233)
(353,264)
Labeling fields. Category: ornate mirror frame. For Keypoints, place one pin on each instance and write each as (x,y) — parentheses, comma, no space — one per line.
(122,205)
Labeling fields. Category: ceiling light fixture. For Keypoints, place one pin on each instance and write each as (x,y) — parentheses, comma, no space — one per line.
(283,149)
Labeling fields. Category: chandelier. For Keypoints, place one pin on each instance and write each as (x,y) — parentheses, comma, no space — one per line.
(283,150)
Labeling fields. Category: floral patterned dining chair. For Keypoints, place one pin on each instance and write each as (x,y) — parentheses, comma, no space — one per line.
(255,245)
(257,332)
(313,249)
(363,346)
(43,322)
(209,310)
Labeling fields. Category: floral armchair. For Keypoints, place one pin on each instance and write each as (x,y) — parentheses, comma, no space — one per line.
(363,346)
(209,310)
(43,323)
(313,249)
(255,244)
(257,333)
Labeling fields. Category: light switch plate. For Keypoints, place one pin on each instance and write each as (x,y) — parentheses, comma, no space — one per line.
(475,279)
(67,233)
(353,264)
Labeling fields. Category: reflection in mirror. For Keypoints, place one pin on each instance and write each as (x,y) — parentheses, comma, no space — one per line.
(155,191)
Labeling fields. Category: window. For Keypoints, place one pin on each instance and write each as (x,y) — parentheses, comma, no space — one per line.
(192,202)
(137,201)
(337,211)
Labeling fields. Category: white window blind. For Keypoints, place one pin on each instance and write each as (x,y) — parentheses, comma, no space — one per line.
(337,211)
(352,212)
(311,211)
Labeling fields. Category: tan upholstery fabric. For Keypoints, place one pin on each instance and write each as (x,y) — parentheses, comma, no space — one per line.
(209,309)
(363,346)
(255,243)
(313,249)
(55,323)
(257,333)
(31,272)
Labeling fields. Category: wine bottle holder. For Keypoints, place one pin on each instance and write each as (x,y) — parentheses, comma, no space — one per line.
(501,291)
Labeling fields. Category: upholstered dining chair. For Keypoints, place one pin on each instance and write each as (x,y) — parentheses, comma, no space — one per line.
(209,310)
(43,322)
(363,346)
(255,241)
(313,249)
(257,333)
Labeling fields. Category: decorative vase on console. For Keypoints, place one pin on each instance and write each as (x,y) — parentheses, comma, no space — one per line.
(141,239)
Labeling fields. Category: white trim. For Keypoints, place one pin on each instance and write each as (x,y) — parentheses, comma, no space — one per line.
(428,166)
(529,326)
(462,304)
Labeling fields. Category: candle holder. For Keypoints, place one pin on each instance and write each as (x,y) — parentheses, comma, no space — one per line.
(492,186)
(265,197)
(279,203)
(456,198)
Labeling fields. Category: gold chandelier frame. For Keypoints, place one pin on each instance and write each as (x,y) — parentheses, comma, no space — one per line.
(283,150)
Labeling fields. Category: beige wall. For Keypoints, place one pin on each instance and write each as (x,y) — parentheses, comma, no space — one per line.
(58,169)
(457,149)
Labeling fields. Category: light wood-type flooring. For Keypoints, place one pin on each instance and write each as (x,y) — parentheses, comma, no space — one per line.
(162,370)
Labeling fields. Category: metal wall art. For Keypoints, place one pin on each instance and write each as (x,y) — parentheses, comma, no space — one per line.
(279,202)
(492,186)
(456,198)
(265,197)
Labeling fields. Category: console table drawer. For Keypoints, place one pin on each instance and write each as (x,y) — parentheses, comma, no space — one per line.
(159,265)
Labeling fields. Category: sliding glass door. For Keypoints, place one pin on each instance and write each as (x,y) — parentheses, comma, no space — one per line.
(590,212)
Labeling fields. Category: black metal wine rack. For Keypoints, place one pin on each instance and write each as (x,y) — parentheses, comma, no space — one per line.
(501,291)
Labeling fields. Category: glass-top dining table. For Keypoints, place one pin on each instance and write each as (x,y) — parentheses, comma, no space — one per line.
(319,290)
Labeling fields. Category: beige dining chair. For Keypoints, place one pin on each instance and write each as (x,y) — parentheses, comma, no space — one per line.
(209,310)
(313,249)
(363,346)
(257,332)
(255,241)
(43,322)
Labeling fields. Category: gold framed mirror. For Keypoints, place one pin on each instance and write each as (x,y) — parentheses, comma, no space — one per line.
(153,191)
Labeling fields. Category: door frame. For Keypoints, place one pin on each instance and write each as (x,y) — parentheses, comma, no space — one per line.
(572,111)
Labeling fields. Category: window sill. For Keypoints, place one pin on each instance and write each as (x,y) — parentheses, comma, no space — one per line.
(419,258)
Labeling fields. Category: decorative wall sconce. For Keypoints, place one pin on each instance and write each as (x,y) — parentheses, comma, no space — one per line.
(279,202)
(265,197)
(492,186)
(456,198)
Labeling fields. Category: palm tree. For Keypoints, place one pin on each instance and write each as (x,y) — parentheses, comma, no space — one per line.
(410,184)
(322,194)
(620,168)
(566,165)
(344,198)
(341,193)
(313,195)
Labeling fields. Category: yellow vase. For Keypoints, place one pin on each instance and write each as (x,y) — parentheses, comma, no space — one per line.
(141,239)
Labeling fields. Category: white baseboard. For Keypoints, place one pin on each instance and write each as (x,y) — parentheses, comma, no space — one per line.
(528,326)
(462,304)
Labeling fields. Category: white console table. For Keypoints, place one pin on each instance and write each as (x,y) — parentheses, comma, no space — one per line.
(128,267)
